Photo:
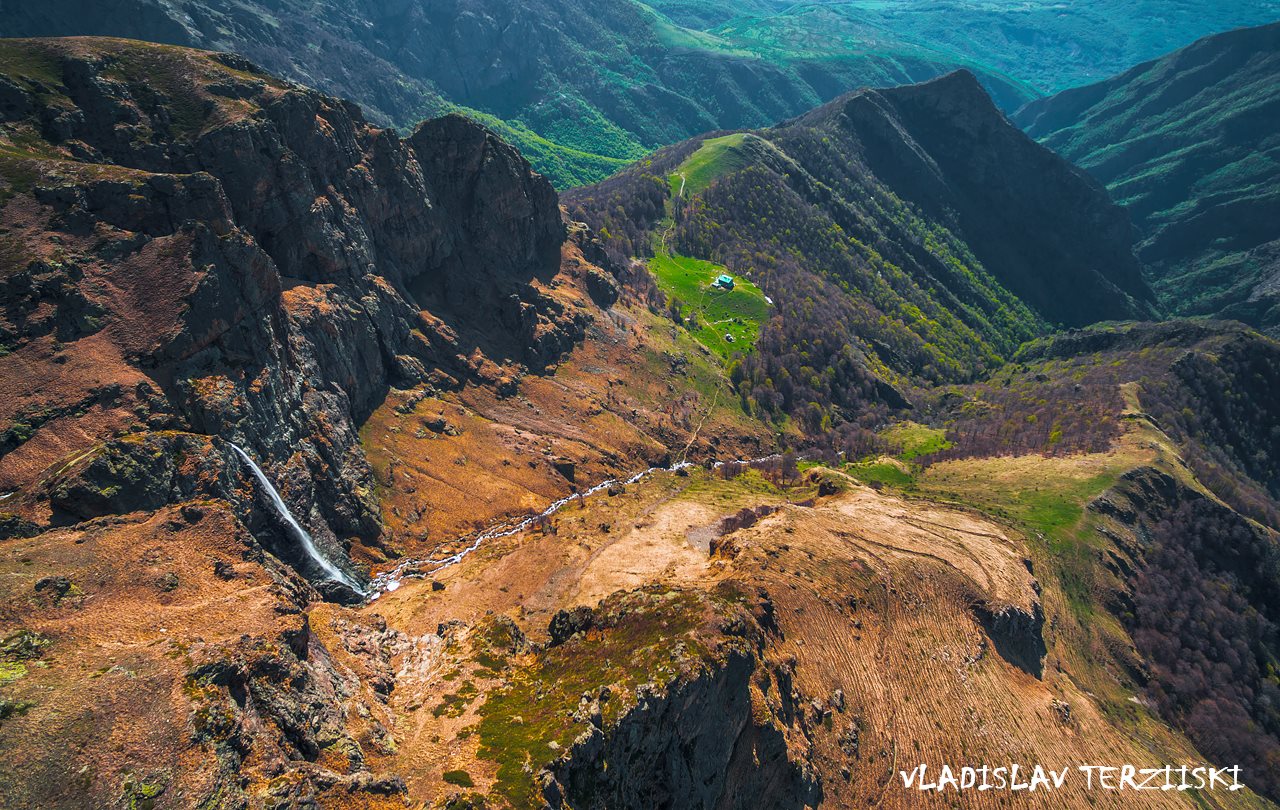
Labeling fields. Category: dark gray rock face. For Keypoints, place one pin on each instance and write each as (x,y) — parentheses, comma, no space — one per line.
(1018,635)
(694,746)
(568,622)
(287,261)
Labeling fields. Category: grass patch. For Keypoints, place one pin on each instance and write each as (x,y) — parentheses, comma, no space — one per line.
(710,312)
(714,158)
(455,703)
(912,440)
(30,61)
(882,474)
(1047,495)
(1046,498)
(11,671)
(711,488)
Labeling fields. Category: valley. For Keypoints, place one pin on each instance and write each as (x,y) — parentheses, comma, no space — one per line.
(345,467)
(583,89)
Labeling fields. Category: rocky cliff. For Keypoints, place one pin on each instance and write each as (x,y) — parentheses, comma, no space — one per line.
(191,246)
(709,740)
(196,257)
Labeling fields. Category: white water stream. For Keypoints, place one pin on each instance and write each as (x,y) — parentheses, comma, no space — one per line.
(300,534)
(390,580)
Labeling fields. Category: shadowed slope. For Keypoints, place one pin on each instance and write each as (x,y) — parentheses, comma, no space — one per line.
(1189,144)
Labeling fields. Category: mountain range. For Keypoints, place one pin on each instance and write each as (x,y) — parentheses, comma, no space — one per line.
(345,466)
(584,88)
(1188,144)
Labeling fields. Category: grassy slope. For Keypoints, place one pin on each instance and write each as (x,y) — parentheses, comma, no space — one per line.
(913,440)
(715,157)
(563,165)
(737,312)
(635,650)
(1045,494)
(1045,500)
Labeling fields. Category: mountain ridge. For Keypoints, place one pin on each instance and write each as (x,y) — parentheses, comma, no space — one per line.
(1183,143)
(582,89)
(958,100)
(882,196)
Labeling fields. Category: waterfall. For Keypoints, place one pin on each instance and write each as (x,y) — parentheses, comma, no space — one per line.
(300,534)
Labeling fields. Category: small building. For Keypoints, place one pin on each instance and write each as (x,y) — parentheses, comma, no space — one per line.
(723,282)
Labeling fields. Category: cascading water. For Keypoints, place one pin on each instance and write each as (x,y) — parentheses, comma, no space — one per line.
(390,580)
(300,534)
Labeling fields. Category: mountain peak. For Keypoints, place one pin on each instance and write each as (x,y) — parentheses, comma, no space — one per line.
(1040,225)
(958,84)
(957,98)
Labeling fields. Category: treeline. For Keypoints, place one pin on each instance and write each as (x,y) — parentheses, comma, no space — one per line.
(1206,616)
(623,212)
(1215,399)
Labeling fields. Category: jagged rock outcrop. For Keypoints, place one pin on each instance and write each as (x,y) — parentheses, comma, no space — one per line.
(235,256)
(287,704)
(697,744)
(1018,635)
(730,731)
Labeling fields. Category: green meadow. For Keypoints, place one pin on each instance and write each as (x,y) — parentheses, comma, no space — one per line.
(710,312)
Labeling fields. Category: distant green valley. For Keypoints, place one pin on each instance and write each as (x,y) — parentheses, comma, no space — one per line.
(1190,145)
(583,88)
